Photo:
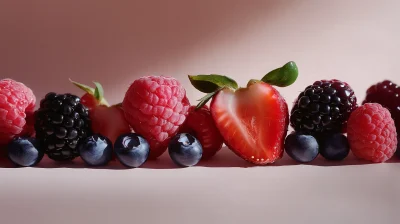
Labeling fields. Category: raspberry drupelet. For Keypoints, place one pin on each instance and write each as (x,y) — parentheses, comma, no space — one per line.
(156,107)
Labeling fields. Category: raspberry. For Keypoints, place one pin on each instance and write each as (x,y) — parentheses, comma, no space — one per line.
(17,104)
(387,94)
(155,107)
(322,107)
(201,125)
(372,133)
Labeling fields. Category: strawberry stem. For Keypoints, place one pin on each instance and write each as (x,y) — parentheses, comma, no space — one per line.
(97,93)
(83,87)
(206,98)
(252,81)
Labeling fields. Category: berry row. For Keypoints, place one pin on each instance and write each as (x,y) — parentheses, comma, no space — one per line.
(155,113)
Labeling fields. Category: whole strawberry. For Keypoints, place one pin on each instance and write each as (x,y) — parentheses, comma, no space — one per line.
(155,107)
(108,121)
(201,125)
(253,121)
(17,104)
(372,133)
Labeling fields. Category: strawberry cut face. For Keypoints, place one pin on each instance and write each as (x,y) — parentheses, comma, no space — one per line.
(253,121)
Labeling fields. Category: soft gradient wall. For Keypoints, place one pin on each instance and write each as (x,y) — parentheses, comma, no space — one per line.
(45,42)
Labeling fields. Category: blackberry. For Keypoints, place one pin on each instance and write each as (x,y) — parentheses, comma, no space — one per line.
(323,107)
(61,122)
(387,94)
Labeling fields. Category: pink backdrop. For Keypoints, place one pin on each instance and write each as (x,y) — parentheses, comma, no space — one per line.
(45,42)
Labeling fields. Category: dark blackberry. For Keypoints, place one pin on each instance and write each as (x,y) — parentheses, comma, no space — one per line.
(387,94)
(398,145)
(323,107)
(61,122)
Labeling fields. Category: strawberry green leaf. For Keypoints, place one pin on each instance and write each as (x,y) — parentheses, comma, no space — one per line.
(98,92)
(83,87)
(206,98)
(283,76)
(211,83)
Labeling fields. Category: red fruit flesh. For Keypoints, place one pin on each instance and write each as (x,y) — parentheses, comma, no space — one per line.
(253,121)
(89,101)
(200,124)
(109,122)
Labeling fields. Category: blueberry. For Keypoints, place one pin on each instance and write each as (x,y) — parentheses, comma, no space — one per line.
(185,150)
(25,151)
(132,150)
(96,150)
(302,148)
(334,146)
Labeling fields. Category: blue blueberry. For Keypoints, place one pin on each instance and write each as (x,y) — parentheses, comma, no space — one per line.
(302,148)
(96,150)
(334,147)
(25,151)
(132,150)
(185,150)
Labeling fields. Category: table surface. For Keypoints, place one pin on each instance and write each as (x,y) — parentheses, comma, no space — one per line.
(225,189)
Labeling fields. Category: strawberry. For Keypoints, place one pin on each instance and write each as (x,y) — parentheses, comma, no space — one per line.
(108,121)
(90,101)
(93,97)
(253,121)
(200,124)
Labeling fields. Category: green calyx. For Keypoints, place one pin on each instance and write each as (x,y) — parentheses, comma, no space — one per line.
(212,84)
(97,92)
(283,76)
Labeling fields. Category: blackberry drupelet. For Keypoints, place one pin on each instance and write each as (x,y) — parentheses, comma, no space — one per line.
(387,94)
(61,123)
(323,107)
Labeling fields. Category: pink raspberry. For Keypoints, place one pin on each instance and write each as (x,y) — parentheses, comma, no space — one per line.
(17,104)
(372,133)
(155,107)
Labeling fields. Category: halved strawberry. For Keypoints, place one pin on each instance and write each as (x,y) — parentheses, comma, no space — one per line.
(254,120)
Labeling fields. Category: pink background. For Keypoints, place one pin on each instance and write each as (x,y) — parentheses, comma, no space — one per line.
(45,42)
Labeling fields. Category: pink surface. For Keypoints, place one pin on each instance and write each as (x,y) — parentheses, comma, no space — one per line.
(44,42)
